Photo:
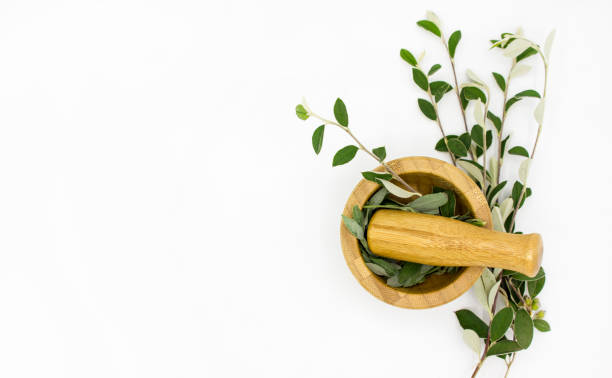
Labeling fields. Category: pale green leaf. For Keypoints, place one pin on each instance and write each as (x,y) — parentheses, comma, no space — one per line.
(481,292)
(396,190)
(471,170)
(520,70)
(506,208)
(538,114)
(431,16)
(524,170)
(473,77)
(498,223)
(488,279)
(548,44)
(472,340)
(479,113)
(516,47)
(493,293)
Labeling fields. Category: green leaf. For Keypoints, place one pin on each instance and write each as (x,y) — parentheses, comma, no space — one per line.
(378,197)
(439,89)
(429,26)
(408,57)
(340,113)
(375,176)
(501,322)
(495,191)
(466,139)
(541,325)
(528,93)
(495,119)
(499,79)
(317,139)
(301,112)
(448,209)
(420,79)
(535,287)
(429,202)
(353,227)
(477,136)
(441,146)
(511,101)
(473,93)
(516,192)
(526,54)
(521,277)
(434,69)
(453,40)
(457,147)
(503,144)
(409,272)
(518,150)
(523,328)
(380,152)
(503,347)
(468,320)
(377,269)
(391,269)
(358,215)
(427,109)
(344,155)
(489,143)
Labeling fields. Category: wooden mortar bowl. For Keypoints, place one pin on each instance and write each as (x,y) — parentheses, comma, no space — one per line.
(422,173)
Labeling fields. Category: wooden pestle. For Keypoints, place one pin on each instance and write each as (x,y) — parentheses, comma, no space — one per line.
(437,240)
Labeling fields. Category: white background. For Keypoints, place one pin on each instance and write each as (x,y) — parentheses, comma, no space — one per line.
(162,213)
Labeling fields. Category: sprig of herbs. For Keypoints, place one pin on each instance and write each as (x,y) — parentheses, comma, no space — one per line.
(510,299)
(347,153)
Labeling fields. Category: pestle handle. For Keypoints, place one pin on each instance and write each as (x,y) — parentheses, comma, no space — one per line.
(437,240)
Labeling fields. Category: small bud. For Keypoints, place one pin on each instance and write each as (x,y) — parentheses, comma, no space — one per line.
(301,112)
(528,301)
(540,315)
(536,304)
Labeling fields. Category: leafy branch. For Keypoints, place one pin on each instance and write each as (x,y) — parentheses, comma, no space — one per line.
(347,153)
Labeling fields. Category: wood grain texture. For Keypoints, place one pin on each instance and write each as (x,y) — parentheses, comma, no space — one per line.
(435,240)
(422,173)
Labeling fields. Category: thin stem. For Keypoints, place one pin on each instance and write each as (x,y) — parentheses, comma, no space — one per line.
(363,148)
(509,364)
(484,146)
(510,285)
(452,61)
(479,364)
(435,105)
(503,121)
(535,144)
